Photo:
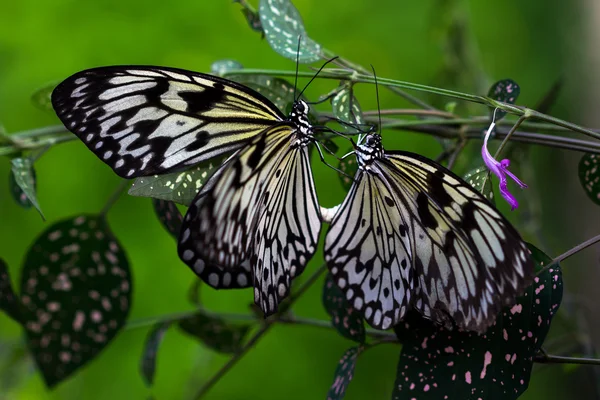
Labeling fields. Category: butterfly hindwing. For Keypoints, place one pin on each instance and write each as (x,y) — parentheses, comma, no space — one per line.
(149,120)
(261,212)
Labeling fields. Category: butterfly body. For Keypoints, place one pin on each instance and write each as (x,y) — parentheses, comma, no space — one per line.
(411,234)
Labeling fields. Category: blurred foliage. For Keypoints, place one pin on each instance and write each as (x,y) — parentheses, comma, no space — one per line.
(456,44)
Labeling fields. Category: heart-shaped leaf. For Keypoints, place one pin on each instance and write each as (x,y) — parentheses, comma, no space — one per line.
(9,302)
(180,187)
(24,177)
(347,109)
(505,90)
(215,333)
(344,373)
(76,294)
(436,363)
(346,320)
(481,180)
(222,67)
(589,176)
(169,215)
(283,25)
(349,166)
(153,341)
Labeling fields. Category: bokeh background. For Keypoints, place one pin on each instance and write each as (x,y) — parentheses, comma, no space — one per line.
(457,44)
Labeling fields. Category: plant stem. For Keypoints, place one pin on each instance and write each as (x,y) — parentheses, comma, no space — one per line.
(570,252)
(258,335)
(551,359)
(510,133)
(114,197)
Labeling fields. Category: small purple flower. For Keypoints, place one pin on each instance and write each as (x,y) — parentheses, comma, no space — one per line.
(500,169)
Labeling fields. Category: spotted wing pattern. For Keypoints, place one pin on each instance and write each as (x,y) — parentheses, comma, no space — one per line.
(261,213)
(459,261)
(148,120)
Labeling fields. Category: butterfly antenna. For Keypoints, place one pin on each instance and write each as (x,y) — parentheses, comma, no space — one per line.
(318,72)
(322,157)
(377,96)
(297,62)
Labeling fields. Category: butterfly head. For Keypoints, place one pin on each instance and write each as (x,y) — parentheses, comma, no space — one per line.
(369,151)
(299,117)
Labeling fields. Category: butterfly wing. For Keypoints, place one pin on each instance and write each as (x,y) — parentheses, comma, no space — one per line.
(369,254)
(148,120)
(261,212)
(469,261)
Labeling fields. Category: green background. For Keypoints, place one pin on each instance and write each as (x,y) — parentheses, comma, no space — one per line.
(463,45)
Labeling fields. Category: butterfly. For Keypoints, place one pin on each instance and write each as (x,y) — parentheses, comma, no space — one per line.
(256,221)
(411,234)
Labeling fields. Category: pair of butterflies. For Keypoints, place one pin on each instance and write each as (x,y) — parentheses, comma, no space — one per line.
(410,233)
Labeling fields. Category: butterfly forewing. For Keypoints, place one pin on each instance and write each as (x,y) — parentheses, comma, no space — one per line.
(148,120)
(261,212)
(465,261)
(368,255)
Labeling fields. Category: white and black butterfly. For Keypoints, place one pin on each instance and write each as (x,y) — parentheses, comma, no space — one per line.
(256,222)
(412,234)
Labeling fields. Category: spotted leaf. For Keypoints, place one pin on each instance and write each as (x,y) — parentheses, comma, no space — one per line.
(347,109)
(344,373)
(589,176)
(251,16)
(76,294)
(346,320)
(441,364)
(169,216)
(215,333)
(17,193)
(9,302)
(505,90)
(349,166)
(221,67)
(153,341)
(278,90)
(283,25)
(180,187)
(24,177)
(481,179)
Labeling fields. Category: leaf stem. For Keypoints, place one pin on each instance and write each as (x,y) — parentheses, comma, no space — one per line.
(552,359)
(570,252)
(510,133)
(114,197)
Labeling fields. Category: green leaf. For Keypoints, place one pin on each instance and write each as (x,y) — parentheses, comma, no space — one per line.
(347,109)
(279,91)
(344,373)
(215,333)
(349,166)
(481,180)
(76,294)
(222,67)
(589,176)
(18,195)
(153,341)
(9,302)
(505,90)
(169,215)
(282,25)
(24,178)
(497,365)
(346,320)
(41,97)
(251,16)
(180,187)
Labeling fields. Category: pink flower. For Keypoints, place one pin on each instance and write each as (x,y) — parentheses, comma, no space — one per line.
(500,169)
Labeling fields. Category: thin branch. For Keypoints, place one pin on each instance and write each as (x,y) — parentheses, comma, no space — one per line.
(551,359)
(570,252)
(114,197)
(510,133)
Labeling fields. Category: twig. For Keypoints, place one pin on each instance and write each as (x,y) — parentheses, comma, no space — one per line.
(570,252)
(114,197)
(552,359)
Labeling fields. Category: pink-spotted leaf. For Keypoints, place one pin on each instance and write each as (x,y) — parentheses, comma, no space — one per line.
(439,364)
(215,333)
(344,373)
(505,90)
(9,302)
(589,176)
(346,320)
(76,294)
(169,216)
(153,341)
